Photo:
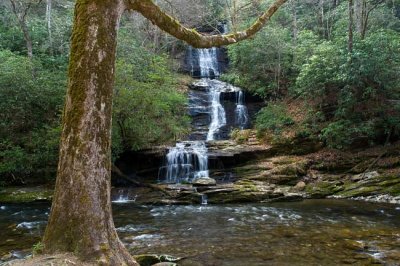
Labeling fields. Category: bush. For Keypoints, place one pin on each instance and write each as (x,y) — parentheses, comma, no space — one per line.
(29,119)
(273,118)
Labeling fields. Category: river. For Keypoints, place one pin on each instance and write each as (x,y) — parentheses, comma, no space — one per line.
(311,232)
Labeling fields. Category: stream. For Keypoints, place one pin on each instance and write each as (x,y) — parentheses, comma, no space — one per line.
(311,232)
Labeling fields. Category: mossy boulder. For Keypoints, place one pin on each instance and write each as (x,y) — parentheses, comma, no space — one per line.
(25,194)
(152,259)
(323,189)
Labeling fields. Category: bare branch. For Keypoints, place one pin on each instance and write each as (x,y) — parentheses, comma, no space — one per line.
(169,24)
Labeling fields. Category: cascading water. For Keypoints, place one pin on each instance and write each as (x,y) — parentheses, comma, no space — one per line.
(218,116)
(188,160)
(241,114)
(208,62)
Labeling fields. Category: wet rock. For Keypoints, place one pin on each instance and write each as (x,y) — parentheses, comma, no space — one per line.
(199,85)
(204,181)
(154,259)
(364,176)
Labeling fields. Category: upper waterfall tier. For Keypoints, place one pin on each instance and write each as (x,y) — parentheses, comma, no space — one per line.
(206,63)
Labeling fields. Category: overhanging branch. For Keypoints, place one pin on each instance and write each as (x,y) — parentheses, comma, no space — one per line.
(172,26)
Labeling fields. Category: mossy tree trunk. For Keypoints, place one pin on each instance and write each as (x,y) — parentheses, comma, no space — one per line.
(81,219)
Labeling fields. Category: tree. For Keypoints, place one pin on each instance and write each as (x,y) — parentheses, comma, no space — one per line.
(20,10)
(81,220)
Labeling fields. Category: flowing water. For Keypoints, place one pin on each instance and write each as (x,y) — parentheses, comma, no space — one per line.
(188,160)
(241,114)
(312,232)
(218,115)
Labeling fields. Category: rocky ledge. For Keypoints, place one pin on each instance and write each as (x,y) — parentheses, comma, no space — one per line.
(260,173)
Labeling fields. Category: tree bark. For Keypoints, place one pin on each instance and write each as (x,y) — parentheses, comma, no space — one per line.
(172,26)
(350,34)
(81,218)
(48,22)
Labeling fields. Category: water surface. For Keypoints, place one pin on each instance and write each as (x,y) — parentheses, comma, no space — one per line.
(312,232)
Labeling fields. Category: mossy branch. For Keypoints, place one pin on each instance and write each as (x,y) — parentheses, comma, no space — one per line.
(172,26)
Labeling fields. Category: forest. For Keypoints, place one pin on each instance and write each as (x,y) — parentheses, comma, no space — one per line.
(234,118)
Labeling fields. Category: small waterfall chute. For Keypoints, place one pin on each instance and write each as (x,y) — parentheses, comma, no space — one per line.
(241,114)
(186,161)
(218,115)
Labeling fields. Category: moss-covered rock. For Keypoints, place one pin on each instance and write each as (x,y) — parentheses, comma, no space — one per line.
(152,259)
(25,194)
(323,189)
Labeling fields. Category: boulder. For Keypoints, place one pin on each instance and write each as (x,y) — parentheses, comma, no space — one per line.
(300,186)
(154,259)
(204,181)
(363,176)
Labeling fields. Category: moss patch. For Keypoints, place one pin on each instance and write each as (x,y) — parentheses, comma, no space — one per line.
(24,195)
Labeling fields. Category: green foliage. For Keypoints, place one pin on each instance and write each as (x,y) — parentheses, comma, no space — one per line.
(340,134)
(29,117)
(148,107)
(350,98)
(357,92)
(240,136)
(261,64)
(274,118)
(37,248)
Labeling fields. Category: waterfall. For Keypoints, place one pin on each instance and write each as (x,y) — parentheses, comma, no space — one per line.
(208,62)
(218,116)
(203,63)
(186,161)
(241,114)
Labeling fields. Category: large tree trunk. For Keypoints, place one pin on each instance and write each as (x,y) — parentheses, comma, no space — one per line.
(81,218)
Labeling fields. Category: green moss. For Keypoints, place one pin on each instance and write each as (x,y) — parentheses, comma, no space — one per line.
(246,186)
(323,189)
(361,191)
(24,195)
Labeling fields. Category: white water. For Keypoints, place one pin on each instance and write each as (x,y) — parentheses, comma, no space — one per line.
(241,114)
(124,197)
(218,115)
(208,62)
(186,161)
(204,199)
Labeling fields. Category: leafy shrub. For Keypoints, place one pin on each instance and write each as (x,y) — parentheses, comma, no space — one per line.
(273,118)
